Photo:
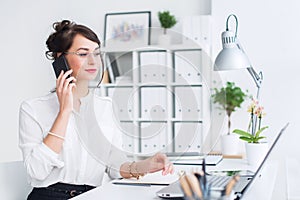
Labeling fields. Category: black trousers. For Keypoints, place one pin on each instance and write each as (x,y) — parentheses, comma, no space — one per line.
(58,191)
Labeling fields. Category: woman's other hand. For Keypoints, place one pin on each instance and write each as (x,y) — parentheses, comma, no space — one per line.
(159,162)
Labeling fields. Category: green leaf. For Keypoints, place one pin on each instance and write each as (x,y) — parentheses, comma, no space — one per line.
(242,133)
(259,138)
(247,139)
(166,19)
(260,130)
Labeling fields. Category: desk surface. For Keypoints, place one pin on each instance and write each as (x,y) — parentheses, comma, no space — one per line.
(112,191)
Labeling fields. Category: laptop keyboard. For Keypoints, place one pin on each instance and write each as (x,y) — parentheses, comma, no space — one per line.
(218,181)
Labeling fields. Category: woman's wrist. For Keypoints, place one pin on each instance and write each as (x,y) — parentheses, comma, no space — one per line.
(137,169)
(141,168)
(64,114)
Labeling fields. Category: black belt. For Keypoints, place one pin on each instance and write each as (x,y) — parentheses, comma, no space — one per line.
(70,189)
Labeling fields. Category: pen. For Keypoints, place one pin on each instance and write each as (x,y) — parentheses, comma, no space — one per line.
(185,187)
(231,184)
(200,176)
(195,185)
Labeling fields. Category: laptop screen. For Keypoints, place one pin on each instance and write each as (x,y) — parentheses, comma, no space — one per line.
(264,178)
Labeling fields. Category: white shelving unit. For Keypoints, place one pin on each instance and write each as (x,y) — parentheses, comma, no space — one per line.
(161,107)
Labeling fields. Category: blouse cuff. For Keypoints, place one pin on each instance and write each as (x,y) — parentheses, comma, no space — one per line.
(52,156)
(113,172)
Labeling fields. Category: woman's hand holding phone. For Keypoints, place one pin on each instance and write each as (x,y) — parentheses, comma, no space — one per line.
(64,87)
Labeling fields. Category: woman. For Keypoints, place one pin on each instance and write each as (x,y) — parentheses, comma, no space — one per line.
(70,138)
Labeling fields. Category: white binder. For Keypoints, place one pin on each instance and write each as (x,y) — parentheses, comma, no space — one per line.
(123,98)
(153,103)
(153,67)
(188,136)
(198,30)
(188,108)
(187,67)
(153,137)
(128,137)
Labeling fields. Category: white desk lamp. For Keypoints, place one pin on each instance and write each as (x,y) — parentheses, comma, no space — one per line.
(232,56)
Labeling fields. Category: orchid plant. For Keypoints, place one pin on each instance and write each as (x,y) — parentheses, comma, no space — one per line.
(253,133)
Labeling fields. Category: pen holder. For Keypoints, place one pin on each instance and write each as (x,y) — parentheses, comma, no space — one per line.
(211,195)
(205,194)
(195,187)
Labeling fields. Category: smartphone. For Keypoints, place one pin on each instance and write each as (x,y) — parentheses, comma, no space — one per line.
(60,64)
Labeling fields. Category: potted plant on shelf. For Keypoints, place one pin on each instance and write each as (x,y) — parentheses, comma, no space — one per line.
(229,98)
(166,21)
(255,148)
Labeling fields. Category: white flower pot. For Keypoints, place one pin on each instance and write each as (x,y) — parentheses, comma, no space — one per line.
(255,153)
(230,144)
(164,39)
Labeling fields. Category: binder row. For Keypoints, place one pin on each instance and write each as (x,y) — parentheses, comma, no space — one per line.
(161,107)
(153,137)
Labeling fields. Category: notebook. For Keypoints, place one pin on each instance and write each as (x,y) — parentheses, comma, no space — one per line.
(193,158)
(150,179)
(218,183)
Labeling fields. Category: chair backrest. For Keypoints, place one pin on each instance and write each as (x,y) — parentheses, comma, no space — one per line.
(13,181)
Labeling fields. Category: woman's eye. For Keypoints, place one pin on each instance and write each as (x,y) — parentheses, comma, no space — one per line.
(82,54)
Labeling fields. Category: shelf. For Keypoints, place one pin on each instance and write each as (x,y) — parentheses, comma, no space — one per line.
(165,97)
(115,85)
(187,120)
(152,47)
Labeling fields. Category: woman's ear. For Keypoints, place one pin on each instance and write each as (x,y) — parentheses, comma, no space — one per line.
(59,54)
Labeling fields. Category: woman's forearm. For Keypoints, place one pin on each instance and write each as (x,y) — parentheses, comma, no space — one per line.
(59,129)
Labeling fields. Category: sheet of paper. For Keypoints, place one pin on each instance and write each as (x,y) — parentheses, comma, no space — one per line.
(151,179)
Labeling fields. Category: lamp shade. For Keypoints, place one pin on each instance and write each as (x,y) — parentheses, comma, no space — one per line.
(232,55)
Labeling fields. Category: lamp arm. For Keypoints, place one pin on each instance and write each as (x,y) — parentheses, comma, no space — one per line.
(257,77)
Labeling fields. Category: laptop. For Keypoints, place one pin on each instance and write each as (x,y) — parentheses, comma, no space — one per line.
(247,192)
(218,182)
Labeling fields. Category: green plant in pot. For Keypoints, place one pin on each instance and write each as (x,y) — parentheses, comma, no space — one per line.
(166,20)
(255,149)
(229,98)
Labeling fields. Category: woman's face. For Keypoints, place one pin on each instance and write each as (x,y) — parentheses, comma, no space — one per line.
(84,58)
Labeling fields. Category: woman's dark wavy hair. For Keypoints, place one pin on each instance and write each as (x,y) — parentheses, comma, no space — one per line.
(61,40)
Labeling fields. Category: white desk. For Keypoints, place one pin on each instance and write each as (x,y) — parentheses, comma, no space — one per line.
(112,191)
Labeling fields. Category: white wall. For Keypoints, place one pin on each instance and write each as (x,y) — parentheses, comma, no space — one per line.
(269,32)
(25,26)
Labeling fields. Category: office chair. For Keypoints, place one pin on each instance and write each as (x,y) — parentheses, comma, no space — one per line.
(13,181)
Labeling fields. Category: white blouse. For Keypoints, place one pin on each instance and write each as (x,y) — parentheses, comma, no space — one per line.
(92,145)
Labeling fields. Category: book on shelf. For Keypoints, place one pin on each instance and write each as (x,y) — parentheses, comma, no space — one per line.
(112,67)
